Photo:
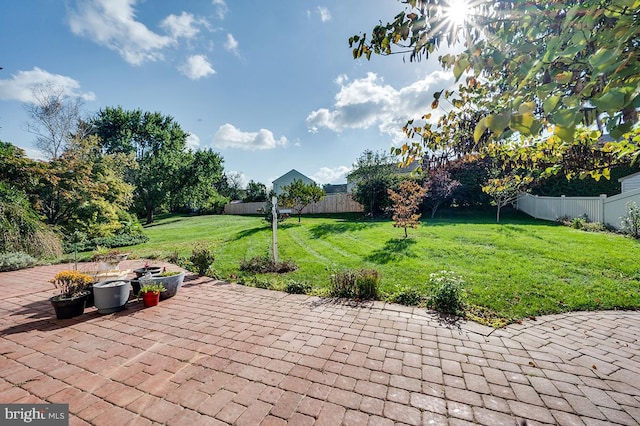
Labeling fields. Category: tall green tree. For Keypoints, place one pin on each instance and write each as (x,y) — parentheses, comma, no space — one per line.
(158,144)
(373,174)
(299,195)
(201,173)
(541,65)
(256,192)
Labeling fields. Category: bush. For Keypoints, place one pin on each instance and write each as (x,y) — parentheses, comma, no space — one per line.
(202,258)
(630,223)
(118,240)
(264,264)
(448,294)
(352,284)
(15,261)
(295,287)
(407,296)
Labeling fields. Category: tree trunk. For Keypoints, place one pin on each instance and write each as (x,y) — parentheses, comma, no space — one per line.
(149,215)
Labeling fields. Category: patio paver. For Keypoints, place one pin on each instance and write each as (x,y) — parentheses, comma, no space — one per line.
(220,353)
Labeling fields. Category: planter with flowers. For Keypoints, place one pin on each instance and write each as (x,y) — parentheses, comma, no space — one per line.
(171,281)
(150,294)
(73,293)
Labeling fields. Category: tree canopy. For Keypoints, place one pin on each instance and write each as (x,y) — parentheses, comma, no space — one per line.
(536,68)
(158,145)
(299,195)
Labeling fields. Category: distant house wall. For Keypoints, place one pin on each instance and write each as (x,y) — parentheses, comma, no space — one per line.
(630,183)
(288,178)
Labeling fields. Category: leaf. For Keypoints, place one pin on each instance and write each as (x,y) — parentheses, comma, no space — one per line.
(479,130)
(550,104)
(565,133)
(564,77)
(498,122)
(525,123)
(611,101)
(603,60)
(459,67)
(526,107)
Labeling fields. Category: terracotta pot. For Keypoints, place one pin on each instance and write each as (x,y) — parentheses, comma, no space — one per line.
(150,299)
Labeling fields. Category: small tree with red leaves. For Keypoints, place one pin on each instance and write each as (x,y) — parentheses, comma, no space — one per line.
(405,204)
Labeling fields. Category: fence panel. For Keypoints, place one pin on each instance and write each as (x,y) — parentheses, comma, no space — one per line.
(553,208)
(616,207)
(332,203)
(603,209)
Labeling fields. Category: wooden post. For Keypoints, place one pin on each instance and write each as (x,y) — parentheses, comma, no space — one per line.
(274,215)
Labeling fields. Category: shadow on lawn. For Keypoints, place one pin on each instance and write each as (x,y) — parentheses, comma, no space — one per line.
(324,229)
(392,251)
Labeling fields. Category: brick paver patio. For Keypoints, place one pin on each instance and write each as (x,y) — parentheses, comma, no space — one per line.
(220,353)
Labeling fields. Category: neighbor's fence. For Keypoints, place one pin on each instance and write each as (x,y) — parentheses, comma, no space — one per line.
(332,203)
(603,209)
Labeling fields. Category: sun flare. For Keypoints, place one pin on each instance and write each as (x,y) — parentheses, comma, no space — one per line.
(457,12)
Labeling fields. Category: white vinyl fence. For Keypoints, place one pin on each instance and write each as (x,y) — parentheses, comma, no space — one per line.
(603,209)
(331,203)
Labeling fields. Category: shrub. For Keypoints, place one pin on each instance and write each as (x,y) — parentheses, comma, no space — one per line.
(407,296)
(630,223)
(202,258)
(362,284)
(264,264)
(118,240)
(15,261)
(295,287)
(448,294)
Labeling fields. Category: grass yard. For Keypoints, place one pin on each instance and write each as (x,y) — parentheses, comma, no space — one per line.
(516,269)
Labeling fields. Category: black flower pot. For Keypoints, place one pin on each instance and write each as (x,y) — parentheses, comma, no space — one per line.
(153,270)
(69,307)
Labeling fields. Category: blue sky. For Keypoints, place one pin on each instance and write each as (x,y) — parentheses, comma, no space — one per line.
(271,85)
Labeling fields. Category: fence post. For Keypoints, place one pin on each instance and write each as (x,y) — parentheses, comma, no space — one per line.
(601,200)
(535,209)
(562,206)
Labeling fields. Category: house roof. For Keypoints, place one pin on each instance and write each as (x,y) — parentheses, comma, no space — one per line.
(292,174)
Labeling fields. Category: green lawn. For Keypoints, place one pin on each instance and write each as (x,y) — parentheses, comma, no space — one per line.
(516,269)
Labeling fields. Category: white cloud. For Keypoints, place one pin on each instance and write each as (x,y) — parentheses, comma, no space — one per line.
(324,13)
(231,44)
(368,102)
(20,86)
(112,23)
(184,25)
(228,136)
(221,8)
(197,67)
(331,175)
(341,79)
(193,141)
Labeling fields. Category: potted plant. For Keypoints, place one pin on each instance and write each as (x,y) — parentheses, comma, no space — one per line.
(150,294)
(111,296)
(73,293)
(170,280)
(147,269)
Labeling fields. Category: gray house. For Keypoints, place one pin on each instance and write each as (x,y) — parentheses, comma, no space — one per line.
(288,178)
(629,183)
